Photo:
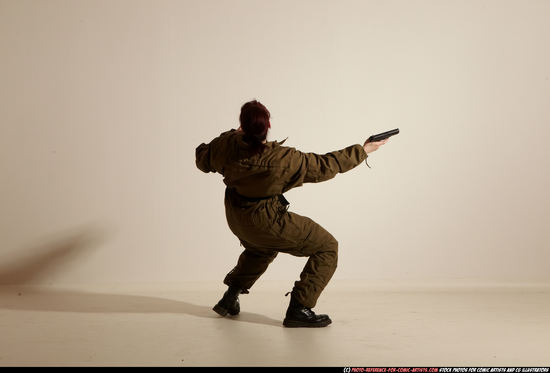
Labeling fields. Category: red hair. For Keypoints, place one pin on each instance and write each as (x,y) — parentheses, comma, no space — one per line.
(254,119)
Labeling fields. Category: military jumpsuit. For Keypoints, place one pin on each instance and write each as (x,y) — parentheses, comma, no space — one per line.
(257,213)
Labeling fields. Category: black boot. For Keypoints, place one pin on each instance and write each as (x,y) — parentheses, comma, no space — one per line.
(229,303)
(298,316)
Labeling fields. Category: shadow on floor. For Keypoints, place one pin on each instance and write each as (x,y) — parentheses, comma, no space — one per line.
(38,263)
(52,254)
(28,298)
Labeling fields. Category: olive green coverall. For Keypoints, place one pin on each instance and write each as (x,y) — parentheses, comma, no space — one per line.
(258,215)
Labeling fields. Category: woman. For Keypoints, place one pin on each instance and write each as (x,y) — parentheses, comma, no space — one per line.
(257,173)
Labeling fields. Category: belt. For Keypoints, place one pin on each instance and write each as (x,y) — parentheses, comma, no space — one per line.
(281,198)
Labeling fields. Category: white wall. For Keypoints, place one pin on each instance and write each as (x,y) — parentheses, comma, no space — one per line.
(103,102)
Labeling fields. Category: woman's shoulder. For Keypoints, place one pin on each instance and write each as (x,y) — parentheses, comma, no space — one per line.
(280,154)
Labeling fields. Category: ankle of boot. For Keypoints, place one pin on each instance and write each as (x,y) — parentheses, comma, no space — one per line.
(295,303)
(234,291)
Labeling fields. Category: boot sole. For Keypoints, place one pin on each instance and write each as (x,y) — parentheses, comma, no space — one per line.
(302,324)
(222,311)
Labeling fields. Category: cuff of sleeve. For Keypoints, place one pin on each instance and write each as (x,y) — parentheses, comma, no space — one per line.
(365,155)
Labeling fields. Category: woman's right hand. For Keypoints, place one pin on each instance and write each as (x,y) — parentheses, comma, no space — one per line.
(372,146)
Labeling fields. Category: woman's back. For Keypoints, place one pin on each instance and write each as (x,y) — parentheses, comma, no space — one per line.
(275,169)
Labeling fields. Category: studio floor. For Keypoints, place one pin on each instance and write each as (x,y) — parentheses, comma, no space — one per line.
(383,326)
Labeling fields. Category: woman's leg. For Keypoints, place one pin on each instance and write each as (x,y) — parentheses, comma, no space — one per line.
(321,248)
(252,263)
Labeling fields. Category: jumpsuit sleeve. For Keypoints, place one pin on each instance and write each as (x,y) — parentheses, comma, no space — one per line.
(202,158)
(208,157)
(315,168)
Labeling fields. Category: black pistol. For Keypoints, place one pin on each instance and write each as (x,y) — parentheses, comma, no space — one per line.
(383,135)
(380,137)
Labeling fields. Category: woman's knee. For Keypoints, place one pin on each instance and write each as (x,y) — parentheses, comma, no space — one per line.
(331,252)
(332,245)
